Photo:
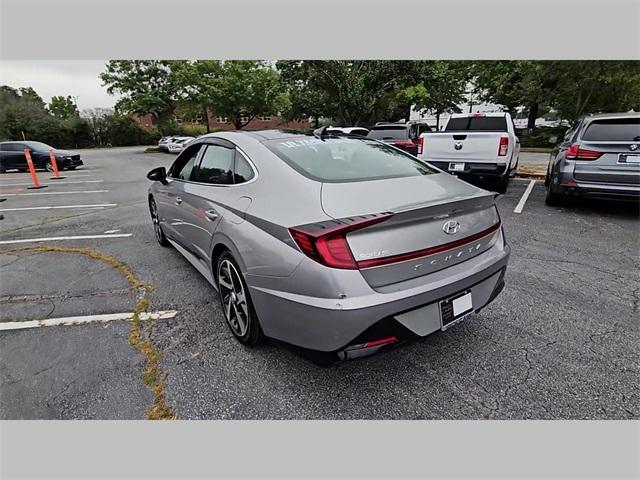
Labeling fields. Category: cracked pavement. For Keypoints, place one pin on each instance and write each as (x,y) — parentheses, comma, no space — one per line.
(560,342)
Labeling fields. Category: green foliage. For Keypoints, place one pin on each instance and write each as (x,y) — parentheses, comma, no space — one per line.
(63,107)
(354,92)
(145,86)
(442,86)
(23,115)
(543,137)
(572,88)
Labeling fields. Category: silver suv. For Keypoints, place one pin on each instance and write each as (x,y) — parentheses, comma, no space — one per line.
(598,157)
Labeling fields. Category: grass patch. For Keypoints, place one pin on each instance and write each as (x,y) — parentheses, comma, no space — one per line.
(140,332)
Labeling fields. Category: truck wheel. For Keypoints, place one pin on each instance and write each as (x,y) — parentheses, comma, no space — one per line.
(502,183)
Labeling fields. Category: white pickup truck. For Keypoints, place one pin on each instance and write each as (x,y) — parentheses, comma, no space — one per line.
(474,145)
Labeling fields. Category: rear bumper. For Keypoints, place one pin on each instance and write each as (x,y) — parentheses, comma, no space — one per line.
(473,169)
(331,324)
(566,184)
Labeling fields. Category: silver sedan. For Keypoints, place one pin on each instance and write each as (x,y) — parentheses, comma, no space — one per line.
(332,243)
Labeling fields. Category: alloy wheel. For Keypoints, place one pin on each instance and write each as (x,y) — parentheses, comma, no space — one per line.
(156,222)
(234,298)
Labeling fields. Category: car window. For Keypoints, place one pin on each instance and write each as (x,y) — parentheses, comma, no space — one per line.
(183,166)
(389,132)
(242,170)
(477,123)
(216,166)
(346,159)
(613,130)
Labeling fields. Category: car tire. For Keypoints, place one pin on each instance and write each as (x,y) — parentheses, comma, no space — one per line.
(236,303)
(47,166)
(552,198)
(71,168)
(502,183)
(157,228)
(3,169)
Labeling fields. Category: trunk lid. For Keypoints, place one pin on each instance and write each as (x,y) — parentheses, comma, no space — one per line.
(413,242)
(463,146)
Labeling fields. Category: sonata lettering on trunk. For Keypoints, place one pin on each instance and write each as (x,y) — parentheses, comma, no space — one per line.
(456,254)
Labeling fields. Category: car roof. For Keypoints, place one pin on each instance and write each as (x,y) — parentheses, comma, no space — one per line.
(260,135)
(612,115)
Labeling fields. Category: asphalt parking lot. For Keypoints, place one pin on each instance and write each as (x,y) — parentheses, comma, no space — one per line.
(560,342)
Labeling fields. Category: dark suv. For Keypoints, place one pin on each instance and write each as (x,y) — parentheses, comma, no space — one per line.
(401,135)
(12,156)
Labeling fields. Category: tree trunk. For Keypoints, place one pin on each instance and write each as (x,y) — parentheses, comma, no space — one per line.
(206,118)
(317,121)
(533,114)
(437,121)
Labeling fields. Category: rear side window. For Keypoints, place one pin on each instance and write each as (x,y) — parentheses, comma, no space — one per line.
(389,133)
(216,166)
(242,171)
(613,130)
(478,124)
(345,159)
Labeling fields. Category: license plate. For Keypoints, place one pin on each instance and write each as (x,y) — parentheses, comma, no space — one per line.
(456,167)
(454,310)
(624,158)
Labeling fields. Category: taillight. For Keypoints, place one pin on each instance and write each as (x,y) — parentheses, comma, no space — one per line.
(326,242)
(420,145)
(574,152)
(504,146)
(404,143)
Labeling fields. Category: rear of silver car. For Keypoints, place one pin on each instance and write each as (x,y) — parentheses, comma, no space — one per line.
(602,159)
(407,257)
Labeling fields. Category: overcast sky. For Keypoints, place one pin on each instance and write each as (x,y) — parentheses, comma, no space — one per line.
(78,78)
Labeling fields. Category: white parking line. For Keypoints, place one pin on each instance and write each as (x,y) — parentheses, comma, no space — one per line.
(63,182)
(99,206)
(525,195)
(66,174)
(58,239)
(72,192)
(52,322)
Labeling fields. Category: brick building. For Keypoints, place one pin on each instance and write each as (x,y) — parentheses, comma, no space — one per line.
(222,123)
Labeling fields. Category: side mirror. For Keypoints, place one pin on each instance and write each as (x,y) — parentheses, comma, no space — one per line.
(158,175)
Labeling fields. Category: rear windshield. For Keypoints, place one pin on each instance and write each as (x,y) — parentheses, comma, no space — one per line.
(343,159)
(613,130)
(389,133)
(480,124)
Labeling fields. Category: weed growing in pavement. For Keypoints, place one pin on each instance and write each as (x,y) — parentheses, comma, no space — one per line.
(139,333)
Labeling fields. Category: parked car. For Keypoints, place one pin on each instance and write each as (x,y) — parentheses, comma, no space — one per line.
(379,248)
(475,145)
(401,135)
(178,144)
(598,157)
(164,142)
(361,131)
(12,156)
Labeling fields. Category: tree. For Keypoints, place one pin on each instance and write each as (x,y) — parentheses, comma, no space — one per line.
(442,87)
(146,87)
(594,86)
(245,89)
(195,84)
(63,107)
(353,92)
(515,83)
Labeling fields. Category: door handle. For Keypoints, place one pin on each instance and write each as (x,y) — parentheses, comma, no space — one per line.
(211,214)
(178,200)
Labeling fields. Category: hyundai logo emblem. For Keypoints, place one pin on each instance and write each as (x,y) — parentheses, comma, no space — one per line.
(457,145)
(451,227)
(633,147)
